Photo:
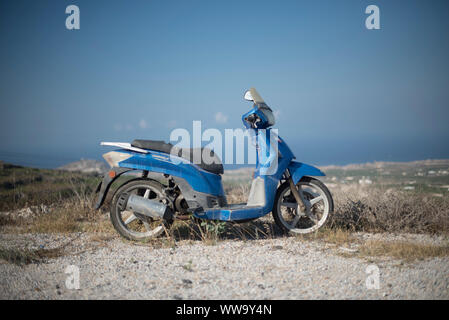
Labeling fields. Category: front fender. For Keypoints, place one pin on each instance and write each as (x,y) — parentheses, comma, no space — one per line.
(299,170)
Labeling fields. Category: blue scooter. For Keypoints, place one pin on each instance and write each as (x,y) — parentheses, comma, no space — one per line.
(173,184)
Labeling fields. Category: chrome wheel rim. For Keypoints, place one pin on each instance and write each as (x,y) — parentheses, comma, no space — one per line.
(142,227)
(312,217)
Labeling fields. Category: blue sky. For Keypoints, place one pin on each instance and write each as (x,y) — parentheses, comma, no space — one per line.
(138,69)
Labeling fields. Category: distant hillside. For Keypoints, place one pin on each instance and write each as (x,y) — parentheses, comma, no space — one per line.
(386,164)
(86,166)
(245,174)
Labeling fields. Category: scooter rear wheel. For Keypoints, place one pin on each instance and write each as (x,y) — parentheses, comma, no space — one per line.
(129,225)
(318,206)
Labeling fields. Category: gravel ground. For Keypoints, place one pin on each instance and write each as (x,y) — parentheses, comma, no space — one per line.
(282,268)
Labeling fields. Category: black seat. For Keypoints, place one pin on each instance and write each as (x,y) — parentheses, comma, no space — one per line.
(187,153)
(155,145)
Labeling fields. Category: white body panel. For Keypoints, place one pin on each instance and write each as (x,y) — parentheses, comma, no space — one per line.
(257,193)
(123,145)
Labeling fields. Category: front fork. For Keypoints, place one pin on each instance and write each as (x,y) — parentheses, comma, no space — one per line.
(302,208)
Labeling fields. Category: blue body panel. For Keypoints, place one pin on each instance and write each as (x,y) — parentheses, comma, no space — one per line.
(199,179)
(231,214)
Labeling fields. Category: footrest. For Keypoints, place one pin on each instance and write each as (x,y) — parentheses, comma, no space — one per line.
(231,213)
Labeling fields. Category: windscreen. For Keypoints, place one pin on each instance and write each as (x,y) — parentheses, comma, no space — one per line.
(266,110)
(256,96)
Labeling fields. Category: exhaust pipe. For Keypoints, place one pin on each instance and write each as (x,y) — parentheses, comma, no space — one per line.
(149,208)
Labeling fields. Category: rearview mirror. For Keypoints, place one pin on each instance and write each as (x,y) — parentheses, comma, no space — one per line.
(248,96)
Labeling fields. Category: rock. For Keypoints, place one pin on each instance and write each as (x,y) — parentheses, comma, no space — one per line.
(26,213)
(348,249)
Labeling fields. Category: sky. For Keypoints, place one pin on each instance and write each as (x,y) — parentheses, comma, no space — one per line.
(139,69)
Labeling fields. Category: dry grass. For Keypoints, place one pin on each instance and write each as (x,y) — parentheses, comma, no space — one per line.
(406,251)
(26,256)
(22,187)
(378,210)
(211,232)
(237,194)
(402,250)
(74,214)
(356,209)
(338,237)
(367,209)
(7,221)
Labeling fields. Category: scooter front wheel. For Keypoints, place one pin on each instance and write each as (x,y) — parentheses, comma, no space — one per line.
(131,226)
(306,217)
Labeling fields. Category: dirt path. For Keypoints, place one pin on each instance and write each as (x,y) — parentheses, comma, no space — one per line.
(283,268)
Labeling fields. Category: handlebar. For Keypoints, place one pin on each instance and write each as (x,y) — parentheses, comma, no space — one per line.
(253,119)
